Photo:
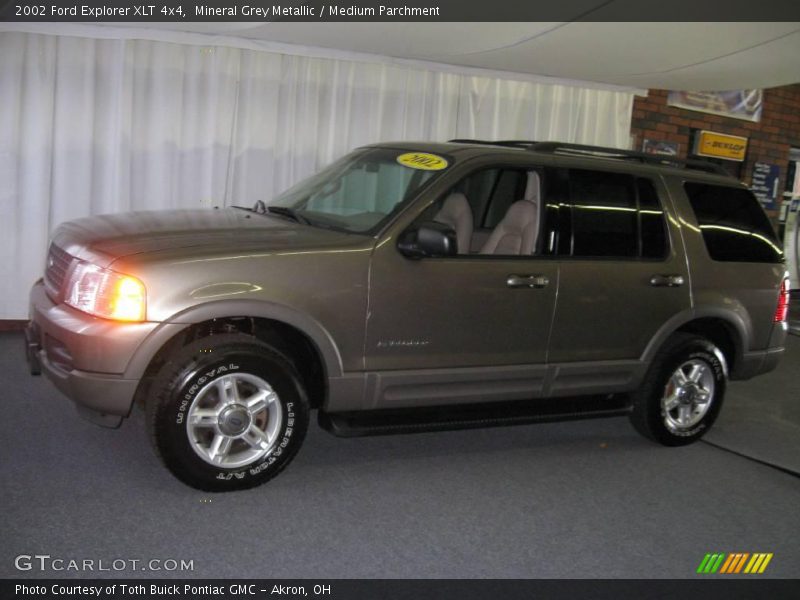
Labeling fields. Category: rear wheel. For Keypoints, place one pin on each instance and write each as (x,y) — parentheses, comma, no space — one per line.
(682,393)
(228,412)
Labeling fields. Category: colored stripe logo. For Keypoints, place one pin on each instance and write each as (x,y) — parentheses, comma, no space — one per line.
(734,563)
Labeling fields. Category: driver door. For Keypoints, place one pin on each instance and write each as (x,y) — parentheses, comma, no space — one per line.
(465,328)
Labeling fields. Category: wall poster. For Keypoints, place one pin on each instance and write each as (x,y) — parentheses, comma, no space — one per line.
(738,104)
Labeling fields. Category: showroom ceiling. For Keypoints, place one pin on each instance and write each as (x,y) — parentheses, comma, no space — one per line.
(691,56)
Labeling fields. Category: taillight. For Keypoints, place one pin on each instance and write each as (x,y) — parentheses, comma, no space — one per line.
(782,312)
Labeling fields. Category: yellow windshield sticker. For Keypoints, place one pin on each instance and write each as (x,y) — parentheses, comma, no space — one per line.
(422,160)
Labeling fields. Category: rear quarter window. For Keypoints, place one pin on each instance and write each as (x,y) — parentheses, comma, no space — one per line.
(733,224)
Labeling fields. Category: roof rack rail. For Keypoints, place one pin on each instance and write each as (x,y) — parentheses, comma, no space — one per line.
(620,154)
(524,144)
(601,152)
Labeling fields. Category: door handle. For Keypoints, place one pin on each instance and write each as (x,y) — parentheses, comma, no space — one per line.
(527,281)
(667,280)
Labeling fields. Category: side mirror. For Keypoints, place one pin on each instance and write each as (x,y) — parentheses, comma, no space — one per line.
(428,240)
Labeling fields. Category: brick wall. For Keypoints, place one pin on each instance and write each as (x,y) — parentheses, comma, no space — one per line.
(768,140)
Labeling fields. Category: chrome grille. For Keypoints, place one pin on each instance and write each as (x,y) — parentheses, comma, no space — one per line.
(58,263)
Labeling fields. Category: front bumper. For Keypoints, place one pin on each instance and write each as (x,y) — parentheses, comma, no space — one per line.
(85,357)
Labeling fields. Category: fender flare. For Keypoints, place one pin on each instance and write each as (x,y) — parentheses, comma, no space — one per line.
(220,309)
(738,326)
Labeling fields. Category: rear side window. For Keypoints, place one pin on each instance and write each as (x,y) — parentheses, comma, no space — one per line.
(603,214)
(611,215)
(734,227)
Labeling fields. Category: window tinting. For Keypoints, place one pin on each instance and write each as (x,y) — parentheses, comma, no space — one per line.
(733,224)
(651,221)
(599,214)
(557,213)
(604,220)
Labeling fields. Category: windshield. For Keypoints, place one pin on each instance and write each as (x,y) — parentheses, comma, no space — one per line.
(361,191)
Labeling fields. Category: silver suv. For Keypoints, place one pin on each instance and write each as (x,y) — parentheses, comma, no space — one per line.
(413,287)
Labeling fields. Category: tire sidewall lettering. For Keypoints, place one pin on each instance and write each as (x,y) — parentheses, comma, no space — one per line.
(713,362)
(196,382)
(190,394)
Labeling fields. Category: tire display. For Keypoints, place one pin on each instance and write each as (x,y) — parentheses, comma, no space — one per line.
(227,412)
(682,392)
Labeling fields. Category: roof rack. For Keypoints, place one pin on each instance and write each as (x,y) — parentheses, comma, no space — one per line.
(523,144)
(620,154)
(603,152)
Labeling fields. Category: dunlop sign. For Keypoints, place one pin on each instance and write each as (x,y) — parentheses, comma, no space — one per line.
(719,145)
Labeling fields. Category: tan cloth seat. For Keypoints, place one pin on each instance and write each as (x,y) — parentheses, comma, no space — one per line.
(457,213)
(516,233)
(533,187)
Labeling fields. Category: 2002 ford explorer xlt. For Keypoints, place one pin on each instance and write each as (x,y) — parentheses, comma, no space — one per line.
(413,287)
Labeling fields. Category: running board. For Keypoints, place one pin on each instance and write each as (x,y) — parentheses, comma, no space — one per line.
(471,416)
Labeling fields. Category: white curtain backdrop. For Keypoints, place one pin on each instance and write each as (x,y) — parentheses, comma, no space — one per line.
(92,126)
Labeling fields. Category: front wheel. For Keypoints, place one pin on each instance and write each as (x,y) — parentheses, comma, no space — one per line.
(227,412)
(682,393)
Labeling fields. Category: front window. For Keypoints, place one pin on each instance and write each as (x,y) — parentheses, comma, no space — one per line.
(361,191)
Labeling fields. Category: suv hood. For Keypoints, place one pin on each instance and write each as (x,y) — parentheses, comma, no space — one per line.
(105,238)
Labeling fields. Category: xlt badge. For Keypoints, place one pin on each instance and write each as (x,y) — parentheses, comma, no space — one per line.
(403,343)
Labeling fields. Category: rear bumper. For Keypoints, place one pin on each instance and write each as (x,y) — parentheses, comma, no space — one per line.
(763,361)
(758,363)
(84,357)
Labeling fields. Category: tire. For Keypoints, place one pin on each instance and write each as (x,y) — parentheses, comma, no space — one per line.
(682,392)
(227,412)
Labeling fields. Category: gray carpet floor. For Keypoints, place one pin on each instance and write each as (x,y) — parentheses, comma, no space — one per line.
(577,499)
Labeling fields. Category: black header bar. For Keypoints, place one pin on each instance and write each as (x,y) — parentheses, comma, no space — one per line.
(145,11)
(708,588)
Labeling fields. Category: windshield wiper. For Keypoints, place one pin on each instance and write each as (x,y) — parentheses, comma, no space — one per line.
(257,208)
(290,213)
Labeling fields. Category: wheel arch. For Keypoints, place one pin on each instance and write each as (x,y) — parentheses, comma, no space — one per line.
(724,329)
(299,337)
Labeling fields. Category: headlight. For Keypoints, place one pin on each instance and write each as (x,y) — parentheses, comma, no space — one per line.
(105,293)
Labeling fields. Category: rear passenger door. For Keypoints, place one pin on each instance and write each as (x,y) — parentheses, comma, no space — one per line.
(622,269)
